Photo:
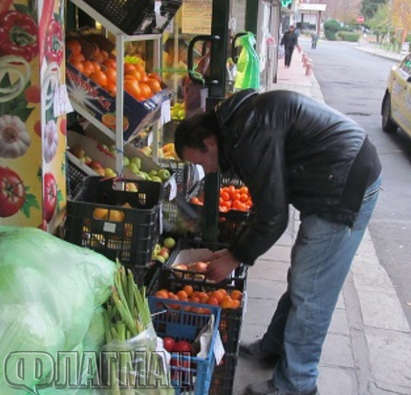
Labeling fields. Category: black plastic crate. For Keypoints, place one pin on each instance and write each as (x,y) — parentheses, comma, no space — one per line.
(222,382)
(75,177)
(137,16)
(231,319)
(97,219)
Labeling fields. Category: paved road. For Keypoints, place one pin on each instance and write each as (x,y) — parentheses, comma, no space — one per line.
(354,83)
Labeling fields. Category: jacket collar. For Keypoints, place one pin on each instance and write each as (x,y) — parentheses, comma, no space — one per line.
(225,111)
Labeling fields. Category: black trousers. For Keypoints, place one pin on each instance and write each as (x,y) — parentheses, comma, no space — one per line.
(288,52)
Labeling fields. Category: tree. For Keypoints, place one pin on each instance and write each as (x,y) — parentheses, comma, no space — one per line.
(401,16)
(381,22)
(370,7)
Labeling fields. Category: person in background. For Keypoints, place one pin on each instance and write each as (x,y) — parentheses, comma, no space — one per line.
(314,40)
(290,149)
(290,41)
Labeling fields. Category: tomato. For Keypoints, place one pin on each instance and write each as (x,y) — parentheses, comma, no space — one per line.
(49,196)
(110,62)
(129,68)
(243,197)
(154,85)
(169,343)
(132,87)
(155,76)
(111,74)
(88,68)
(182,346)
(79,66)
(12,192)
(244,189)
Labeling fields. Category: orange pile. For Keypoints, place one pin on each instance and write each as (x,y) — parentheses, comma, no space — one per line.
(231,198)
(220,297)
(102,69)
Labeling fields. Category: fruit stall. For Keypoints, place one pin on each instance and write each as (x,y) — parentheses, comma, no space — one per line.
(88,111)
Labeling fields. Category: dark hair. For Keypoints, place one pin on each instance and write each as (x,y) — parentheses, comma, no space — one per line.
(191,132)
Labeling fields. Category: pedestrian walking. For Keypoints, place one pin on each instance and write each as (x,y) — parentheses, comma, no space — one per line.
(290,41)
(314,40)
(290,149)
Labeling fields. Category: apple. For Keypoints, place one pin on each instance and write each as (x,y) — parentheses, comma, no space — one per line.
(169,343)
(133,168)
(126,161)
(157,249)
(164,174)
(78,151)
(100,171)
(110,172)
(136,161)
(96,165)
(153,173)
(87,160)
(164,252)
(169,242)
(156,179)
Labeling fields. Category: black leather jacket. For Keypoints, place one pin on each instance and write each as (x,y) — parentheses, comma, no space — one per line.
(288,148)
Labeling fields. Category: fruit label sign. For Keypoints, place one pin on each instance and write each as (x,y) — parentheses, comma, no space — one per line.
(165,112)
(61,104)
(109,227)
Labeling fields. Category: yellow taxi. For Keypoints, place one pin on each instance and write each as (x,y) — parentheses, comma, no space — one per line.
(396,105)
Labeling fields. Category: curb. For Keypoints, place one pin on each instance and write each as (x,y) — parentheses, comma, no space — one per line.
(395,57)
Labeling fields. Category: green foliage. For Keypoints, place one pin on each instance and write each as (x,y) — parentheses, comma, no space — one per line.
(348,36)
(331,27)
(370,7)
(381,22)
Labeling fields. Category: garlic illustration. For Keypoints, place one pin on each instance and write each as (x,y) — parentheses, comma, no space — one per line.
(50,141)
(14,138)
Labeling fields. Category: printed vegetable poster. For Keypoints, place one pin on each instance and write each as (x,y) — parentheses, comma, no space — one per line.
(32,135)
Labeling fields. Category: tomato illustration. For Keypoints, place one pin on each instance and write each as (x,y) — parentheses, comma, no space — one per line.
(12,192)
(50,196)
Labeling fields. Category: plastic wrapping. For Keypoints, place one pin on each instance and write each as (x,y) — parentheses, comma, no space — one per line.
(142,366)
(49,292)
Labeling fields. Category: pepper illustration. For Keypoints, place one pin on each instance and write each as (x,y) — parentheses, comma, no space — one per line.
(18,35)
(14,138)
(54,42)
(50,141)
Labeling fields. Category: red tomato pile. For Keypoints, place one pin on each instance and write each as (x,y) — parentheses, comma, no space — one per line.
(231,198)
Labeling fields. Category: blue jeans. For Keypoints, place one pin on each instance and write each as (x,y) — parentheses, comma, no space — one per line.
(320,261)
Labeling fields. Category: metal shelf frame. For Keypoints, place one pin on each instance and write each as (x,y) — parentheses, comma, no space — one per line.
(121,39)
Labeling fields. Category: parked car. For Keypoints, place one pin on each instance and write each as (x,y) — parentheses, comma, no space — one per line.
(396,105)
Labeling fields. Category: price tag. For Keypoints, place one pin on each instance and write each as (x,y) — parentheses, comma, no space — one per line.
(218,349)
(109,227)
(160,221)
(165,112)
(150,138)
(200,172)
(67,104)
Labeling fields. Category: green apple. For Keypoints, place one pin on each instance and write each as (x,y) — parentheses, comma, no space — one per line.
(153,173)
(164,174)
(126,161)
(169,242)
(157,249)
(156,179)
(133,168)
(137,161)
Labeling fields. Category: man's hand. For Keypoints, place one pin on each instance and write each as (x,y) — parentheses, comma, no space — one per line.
(222,263)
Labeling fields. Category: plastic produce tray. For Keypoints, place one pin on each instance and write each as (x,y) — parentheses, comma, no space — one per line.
(193,374)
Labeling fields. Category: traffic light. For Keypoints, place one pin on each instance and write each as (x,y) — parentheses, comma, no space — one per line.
(286,3)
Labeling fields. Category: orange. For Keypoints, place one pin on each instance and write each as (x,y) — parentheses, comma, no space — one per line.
(195,299)
(172,295)
(222,290)
(129,68)
(112,88)
(162,294)
(111,74)
(145,90)
(155,76)
(132,87)
(236,294)
(213,300)
(110,62)
(154,85)
(99,77)
(188,290)
(226,303)
(74,46)
(204,299)
(79,57)
(78,65)
(182,295)
(218,295)
(235,304)
(139,68)
(88,68)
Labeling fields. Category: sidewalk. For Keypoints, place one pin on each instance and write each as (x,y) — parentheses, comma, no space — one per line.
(368,347)
(377,51)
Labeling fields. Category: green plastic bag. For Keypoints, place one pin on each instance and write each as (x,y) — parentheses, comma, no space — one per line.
(50,291)
(248,65)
